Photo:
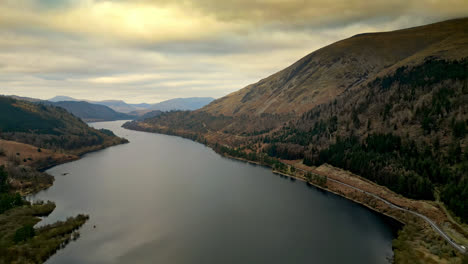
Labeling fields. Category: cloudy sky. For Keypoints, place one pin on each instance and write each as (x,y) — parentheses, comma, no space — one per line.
(153,50)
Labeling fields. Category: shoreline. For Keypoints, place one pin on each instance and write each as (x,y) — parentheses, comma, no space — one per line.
(302,179)
(277,172)
(78,156)
(362,197)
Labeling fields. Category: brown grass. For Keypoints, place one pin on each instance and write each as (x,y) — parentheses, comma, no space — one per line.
(30,156)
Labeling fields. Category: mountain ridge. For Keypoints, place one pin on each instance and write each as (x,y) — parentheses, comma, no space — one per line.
(315,78)
(187,103)
(92,112)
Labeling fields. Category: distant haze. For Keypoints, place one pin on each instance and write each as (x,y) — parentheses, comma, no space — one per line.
(154,50)
(191,103)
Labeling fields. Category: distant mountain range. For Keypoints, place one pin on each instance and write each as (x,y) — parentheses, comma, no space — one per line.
(191,103)
(116,105)
(109,110)
(92,112)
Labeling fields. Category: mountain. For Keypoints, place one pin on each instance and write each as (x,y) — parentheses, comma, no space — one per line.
(59,98)
(92,112)
(29,99)
(150,114)
(142,105)
(191,103)
(326,73)
(391,107)
(116,105)
(51,127)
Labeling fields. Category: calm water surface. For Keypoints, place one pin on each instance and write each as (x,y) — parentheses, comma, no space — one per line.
(164,199)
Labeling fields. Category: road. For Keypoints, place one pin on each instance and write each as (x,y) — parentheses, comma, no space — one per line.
(392,205)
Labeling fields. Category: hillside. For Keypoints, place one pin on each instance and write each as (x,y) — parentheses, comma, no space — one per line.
(29,99)
(34,136)
(176,104)
(391,107)
(50,127)
(326,73)
(60,98)
(191,103)
(150,114)
(92,112)
(116,105)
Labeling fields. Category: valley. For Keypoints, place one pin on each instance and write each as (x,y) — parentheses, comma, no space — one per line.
(398,119)
(125,135)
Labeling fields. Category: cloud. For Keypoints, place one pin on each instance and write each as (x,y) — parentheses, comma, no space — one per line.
(152,50)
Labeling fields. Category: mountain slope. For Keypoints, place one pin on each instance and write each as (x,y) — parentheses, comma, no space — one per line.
(191,103)
(184,104)
(60,98)
(116,105)
(91,112)
(51,127)
(322,75)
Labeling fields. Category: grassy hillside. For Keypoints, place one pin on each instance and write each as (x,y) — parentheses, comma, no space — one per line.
(51,127)
(192,103)
(328,72)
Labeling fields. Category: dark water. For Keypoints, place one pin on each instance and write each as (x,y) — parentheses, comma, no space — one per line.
(163,199)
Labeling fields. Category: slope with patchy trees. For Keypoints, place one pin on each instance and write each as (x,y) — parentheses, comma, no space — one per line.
(51,127)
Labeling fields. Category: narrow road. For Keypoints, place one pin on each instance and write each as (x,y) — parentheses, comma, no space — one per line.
(460,248)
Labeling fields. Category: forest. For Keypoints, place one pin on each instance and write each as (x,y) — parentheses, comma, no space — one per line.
(407,131)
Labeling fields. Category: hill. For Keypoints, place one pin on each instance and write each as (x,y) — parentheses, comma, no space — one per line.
(328,72)
(391,107)
(150,114)
(29,99)
(191,103)
(176,104)
(92,112)
(60,98)
(51,127)
(116,105)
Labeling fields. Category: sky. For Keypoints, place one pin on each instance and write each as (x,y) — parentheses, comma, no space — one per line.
(154,50)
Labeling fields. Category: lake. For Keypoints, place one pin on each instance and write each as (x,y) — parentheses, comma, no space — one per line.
(164,199)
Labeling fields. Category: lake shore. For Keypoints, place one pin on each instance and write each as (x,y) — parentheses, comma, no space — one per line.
(412,239)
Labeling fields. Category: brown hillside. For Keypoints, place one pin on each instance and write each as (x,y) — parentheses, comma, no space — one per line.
(326,73)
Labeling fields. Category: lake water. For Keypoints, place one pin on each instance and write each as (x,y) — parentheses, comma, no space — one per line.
(164,199)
